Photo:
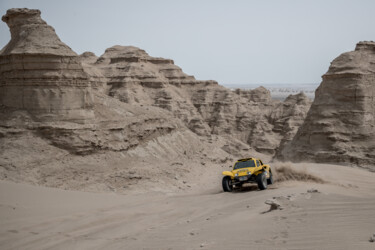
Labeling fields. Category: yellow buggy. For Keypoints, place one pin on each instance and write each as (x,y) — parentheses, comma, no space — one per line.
(248,170)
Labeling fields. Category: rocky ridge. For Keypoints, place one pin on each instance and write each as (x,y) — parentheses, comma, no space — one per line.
(205,107)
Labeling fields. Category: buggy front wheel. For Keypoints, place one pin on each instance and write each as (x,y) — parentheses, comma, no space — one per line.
(227,184)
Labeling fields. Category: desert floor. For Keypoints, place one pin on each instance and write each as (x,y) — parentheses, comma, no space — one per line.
(339,216)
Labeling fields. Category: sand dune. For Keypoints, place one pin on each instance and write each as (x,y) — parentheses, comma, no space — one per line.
(338,216)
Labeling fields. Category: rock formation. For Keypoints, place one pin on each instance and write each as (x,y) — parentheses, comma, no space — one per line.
(340,126)
(204,107)
(288,116)
(40,74)
(242,114)
(142,111)
(136,78)
(45,88)
(45,78)
(95,76)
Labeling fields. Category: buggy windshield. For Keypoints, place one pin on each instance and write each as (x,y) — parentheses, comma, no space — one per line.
(244,164)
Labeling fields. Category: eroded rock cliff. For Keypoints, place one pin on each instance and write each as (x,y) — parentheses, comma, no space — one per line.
(40,74)
(340,126)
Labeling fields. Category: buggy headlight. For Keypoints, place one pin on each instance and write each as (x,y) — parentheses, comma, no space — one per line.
(236,174)
(249,173)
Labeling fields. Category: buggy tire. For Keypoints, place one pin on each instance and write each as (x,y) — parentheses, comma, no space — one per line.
(262,181)
(227,184)
(270,180)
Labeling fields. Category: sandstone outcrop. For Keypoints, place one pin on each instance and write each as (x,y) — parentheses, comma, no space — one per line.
(40,74)
(340,126)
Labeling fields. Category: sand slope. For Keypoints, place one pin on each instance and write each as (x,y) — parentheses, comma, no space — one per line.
(339,216)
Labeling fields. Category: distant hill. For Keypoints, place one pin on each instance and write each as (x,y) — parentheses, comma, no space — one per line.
(280,91)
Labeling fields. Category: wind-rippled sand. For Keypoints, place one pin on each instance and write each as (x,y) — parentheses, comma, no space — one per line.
(340,215)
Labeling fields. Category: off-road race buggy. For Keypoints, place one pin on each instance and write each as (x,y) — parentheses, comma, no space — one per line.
(249,170)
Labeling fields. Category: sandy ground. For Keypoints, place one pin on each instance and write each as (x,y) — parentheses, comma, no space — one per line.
(339,216)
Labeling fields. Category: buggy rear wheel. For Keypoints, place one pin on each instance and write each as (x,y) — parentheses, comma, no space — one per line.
(262,181)
(270,180)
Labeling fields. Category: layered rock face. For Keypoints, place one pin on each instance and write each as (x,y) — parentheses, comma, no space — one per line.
(287,117)
(41,74)
(242,114)
(128,64)
(340,126)
(134,77)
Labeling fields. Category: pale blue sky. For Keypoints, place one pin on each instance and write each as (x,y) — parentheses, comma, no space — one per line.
(264,41)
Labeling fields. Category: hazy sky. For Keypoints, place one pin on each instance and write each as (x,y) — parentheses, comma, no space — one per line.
(264,41)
